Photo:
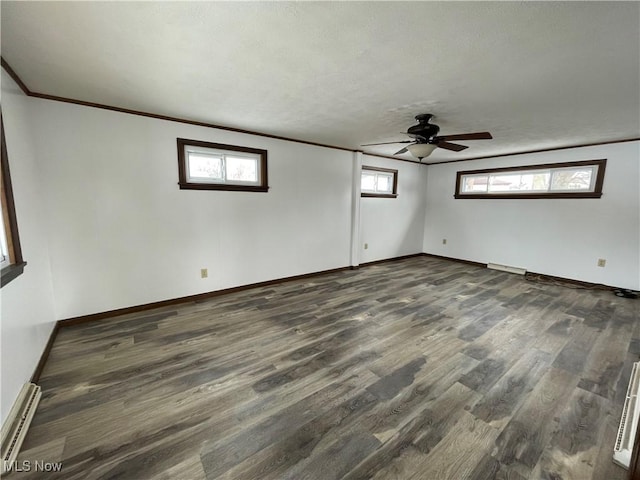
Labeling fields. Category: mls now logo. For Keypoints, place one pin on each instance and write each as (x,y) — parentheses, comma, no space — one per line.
(29,466)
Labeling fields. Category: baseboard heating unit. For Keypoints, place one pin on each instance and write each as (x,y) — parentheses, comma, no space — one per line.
(15,427)
(506,268)
(629,421)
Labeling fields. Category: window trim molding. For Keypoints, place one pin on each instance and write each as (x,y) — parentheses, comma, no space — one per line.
(182,171)
(597,190)
(16,267)
(394,191)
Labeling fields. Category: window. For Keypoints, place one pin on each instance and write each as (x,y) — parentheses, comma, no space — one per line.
(11,262)
(379,182)
(213,166)
(4,246)
(555,180)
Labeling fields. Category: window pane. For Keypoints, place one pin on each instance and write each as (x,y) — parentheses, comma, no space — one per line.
(378,182)
(385,183)
(202,165)
(476,183)
(4,248)
(520,182)
(216,166)
(240,169)
(581,179)
(368,182)
(573,179)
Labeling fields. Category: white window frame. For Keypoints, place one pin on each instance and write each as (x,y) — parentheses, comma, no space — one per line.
(12,263)
(593,191)
(5,258)
(223,152)
(378,172)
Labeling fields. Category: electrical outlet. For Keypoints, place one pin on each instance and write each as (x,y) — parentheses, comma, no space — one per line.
(444,241)
(601,262)
(204,273)
(366,245)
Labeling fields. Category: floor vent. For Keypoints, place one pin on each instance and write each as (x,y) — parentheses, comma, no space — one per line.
(17,423)
(506,268)
(628,422)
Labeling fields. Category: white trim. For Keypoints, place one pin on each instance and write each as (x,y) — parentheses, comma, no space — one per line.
(550,171)
(222,155)
(355,209)
(376,175)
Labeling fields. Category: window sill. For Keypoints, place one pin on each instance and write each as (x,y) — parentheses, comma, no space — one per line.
(230,188)
(379,195)
(11,272)
(530,195)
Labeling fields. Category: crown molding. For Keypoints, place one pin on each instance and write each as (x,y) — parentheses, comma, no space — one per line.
(56,98)
(84,103)
(15,77)
(553,149)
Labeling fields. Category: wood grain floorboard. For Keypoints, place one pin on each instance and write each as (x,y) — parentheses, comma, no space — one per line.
(416,369)
(529,431)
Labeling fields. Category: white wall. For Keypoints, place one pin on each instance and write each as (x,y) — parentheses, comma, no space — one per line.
(561,237)
(27,302)
(122,233)
(393,227)
(104,225)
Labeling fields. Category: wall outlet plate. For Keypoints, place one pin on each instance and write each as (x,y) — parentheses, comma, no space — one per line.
(204,273)
(602,262)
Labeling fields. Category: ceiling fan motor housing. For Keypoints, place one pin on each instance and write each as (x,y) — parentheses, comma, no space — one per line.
(425,138)
(424,130)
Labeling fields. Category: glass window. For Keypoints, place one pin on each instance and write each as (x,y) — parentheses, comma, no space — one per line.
(475,183)
(204,167)
(562,180)
(378,182)
(4,247)
(571,179)
(213,166)
(368,182)
(240,169)
(11,261)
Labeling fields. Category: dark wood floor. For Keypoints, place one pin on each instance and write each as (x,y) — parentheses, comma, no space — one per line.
(415,369)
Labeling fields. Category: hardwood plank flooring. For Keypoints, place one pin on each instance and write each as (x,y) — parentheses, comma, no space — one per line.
(416,369)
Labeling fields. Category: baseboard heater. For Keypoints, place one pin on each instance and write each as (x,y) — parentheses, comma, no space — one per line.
(506,268)
(629,421)
(15,427)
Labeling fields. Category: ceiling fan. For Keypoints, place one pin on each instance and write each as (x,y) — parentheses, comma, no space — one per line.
(426,139)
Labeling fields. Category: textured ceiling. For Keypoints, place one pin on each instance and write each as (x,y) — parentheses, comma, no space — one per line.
(536,74)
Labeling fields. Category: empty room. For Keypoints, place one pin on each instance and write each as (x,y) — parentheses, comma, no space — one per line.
(320,240)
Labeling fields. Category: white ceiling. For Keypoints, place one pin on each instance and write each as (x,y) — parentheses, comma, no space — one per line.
(536,74)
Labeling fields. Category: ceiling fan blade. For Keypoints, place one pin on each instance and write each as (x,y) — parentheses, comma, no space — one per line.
(404,150)
(466,136)
(385,143)
(451,146)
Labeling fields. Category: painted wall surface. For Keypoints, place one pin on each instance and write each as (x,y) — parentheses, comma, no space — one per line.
(27,312)
(105,226)
(561,237)
(122,233)
(392,227)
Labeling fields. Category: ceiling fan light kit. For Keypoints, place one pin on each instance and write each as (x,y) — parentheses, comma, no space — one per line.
(426,139)
(421,150)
